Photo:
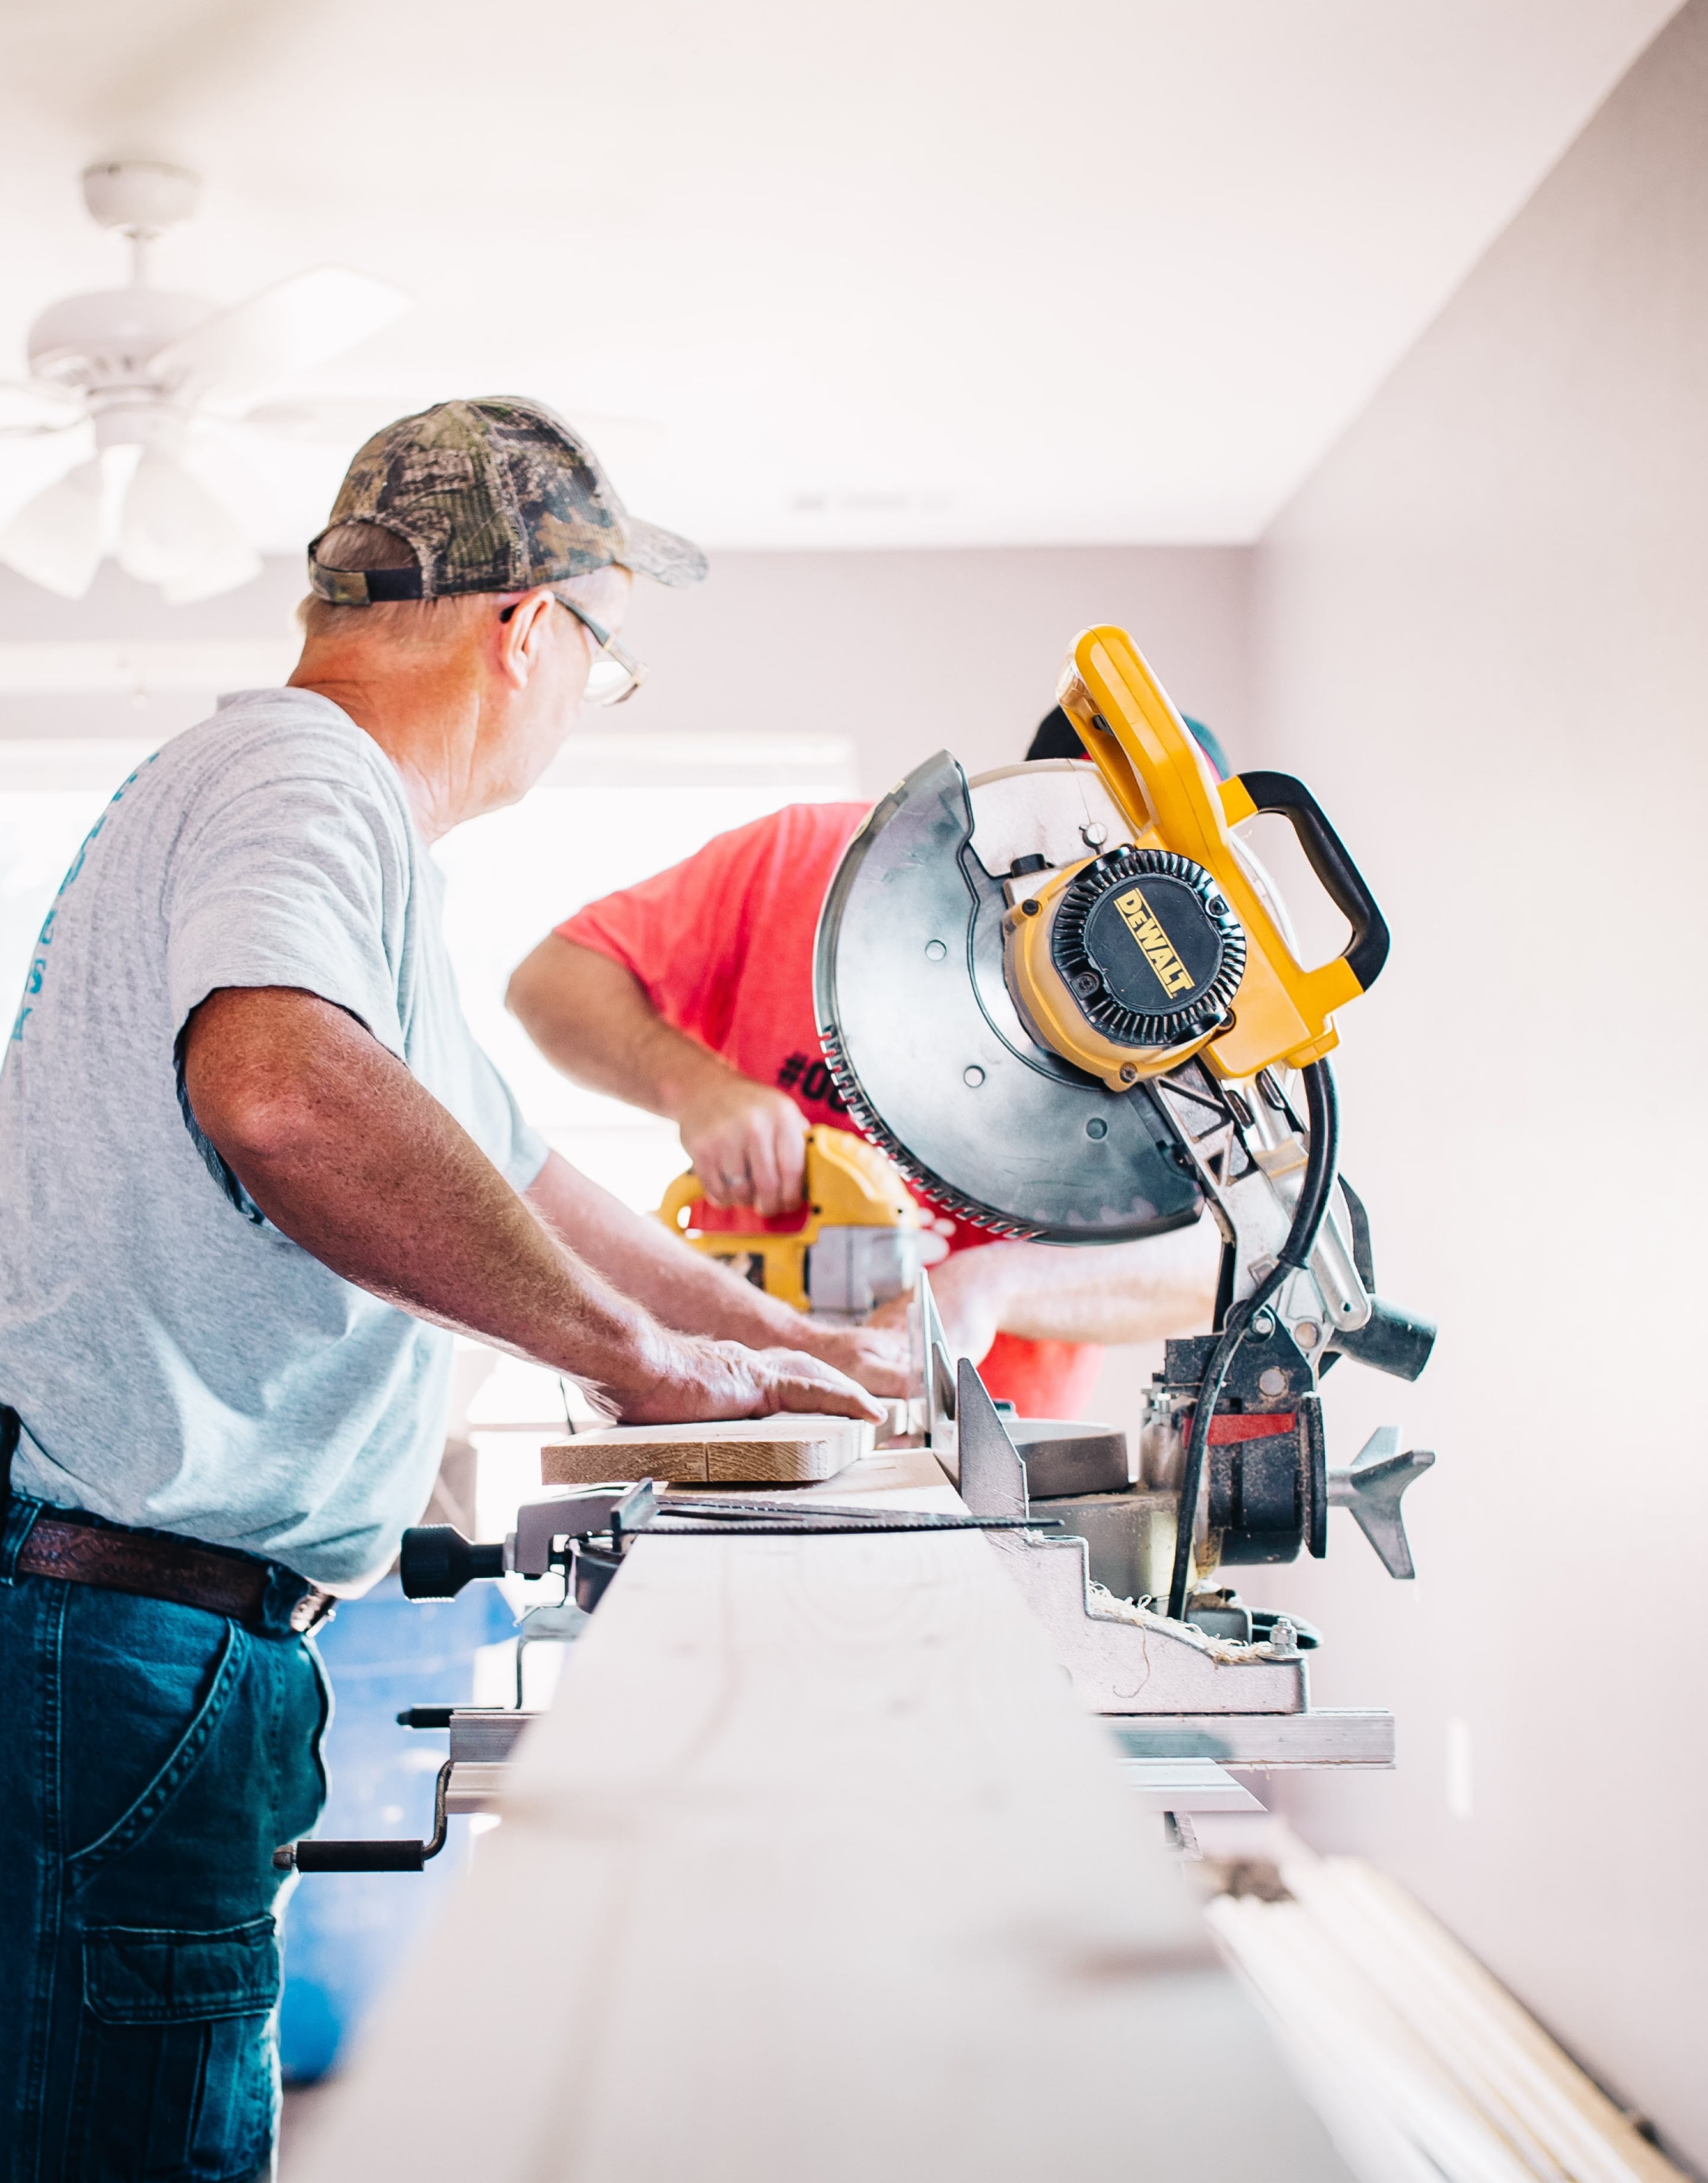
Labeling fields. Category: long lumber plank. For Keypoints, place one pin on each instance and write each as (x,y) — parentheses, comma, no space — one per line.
(814,1874)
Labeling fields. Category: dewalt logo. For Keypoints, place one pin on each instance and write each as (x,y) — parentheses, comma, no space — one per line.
(1154,943)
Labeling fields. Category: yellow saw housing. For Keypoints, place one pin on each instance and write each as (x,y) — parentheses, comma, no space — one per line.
(855,1198)
(1190,960)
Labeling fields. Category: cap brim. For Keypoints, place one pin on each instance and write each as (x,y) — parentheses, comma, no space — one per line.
(662,555)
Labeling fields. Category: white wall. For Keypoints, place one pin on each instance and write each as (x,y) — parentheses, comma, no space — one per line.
(904,651)
(909,653)
(1483,634)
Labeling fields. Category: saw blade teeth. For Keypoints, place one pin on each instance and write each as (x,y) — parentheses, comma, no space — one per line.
(872,1126)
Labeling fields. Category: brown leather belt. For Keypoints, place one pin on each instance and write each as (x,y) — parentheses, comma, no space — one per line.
(158,1568)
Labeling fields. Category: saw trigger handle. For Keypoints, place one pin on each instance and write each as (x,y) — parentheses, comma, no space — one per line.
(1342,880)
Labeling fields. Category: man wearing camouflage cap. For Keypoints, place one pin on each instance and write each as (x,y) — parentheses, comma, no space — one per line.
(253,1173)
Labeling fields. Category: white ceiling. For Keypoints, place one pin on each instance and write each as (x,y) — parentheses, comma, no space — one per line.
(914,272)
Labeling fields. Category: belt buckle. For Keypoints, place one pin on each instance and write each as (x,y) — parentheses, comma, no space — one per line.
(314,1607)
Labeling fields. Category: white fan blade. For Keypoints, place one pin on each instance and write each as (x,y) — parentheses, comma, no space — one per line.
(285,328)
(55,539)
(174,533)
(37,405)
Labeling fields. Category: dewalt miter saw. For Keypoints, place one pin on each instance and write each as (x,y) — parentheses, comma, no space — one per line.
(1063,998)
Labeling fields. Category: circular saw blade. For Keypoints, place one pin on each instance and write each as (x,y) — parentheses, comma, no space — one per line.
(925,1041)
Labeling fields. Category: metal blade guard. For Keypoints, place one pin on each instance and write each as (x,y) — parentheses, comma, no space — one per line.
(928,1051)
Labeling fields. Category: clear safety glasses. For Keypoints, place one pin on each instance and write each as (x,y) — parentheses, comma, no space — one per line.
(613,675)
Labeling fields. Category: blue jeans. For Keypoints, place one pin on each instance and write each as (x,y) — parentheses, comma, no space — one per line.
(152,1756)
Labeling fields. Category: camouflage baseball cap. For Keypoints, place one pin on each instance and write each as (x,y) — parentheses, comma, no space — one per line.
(494,495)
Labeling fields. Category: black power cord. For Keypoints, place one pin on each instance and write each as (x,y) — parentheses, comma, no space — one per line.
(1322,1122)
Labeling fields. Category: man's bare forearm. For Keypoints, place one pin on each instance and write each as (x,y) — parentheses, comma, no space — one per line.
(590,1018)
(644,1259)
(347,1154)
(593,1019)
(688,1291)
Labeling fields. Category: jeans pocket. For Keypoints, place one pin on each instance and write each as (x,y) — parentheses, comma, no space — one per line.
(175,2063)
(171,1767)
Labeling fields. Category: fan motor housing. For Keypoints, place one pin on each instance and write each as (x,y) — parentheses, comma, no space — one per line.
(1126,964)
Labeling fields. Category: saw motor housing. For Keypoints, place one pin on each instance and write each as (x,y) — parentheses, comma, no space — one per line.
(1131,961)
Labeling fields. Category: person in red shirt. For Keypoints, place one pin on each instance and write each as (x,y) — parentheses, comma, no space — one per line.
(690,995)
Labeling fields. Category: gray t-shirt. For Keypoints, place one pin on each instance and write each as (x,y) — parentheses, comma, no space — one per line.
(176,1361)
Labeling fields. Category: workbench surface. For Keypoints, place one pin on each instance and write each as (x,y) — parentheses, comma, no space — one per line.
(815,1871)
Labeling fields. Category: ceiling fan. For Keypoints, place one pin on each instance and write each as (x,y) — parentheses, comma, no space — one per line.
(147,368)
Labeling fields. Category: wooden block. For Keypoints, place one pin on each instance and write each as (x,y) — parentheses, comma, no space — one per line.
(792,1450)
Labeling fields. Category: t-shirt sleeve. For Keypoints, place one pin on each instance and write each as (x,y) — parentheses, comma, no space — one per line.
(684,932)
(294,872)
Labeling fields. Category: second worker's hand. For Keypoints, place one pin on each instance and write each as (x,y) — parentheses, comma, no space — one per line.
(704,1380)
(748,1143)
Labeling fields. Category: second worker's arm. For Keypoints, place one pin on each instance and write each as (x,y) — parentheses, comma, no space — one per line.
(591,1017)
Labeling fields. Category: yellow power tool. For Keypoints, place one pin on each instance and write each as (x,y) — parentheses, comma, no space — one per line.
(1130,963)
(860,1242)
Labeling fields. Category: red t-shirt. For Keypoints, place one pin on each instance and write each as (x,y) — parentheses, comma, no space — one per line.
(722,945)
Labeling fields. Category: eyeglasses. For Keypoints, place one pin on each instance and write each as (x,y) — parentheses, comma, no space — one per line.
(613,675)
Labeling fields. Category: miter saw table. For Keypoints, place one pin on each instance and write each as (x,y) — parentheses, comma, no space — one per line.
(1170,1702)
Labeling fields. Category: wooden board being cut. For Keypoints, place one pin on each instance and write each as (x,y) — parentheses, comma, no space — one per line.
(795,1449)
(815,1873)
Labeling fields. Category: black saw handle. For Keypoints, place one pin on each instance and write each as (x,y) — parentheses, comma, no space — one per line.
(1342,880)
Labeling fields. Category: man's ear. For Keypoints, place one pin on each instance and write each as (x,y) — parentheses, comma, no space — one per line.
(523,631)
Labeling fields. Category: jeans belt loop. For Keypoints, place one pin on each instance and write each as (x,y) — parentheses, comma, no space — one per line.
(18,1511)
(291,1606)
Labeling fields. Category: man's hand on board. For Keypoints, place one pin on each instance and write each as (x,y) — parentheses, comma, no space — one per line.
(703,1381)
